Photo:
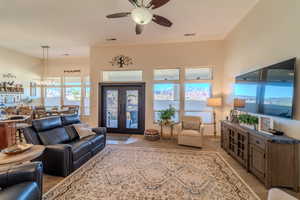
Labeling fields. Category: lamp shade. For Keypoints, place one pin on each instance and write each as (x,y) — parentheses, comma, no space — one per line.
(214,102)
(239,103)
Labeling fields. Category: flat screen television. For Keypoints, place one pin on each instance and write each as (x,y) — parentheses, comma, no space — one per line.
(268,91)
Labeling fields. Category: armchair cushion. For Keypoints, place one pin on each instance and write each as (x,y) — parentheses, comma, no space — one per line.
(22,182)
(191,133)
(21,191)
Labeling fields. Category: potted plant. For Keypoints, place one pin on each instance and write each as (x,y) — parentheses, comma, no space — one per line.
(248,120)
(166,116)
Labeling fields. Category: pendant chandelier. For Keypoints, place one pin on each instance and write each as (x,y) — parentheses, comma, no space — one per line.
(44,82)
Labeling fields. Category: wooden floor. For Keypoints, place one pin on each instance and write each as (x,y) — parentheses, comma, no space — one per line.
(211,144)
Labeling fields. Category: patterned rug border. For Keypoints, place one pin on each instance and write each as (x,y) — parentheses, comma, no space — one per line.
(155,149)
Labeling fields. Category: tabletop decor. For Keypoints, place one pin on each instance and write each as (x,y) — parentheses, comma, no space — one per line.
(248,120)
(16,149)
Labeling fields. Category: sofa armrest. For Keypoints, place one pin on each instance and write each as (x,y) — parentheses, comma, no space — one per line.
(57,159)
(30,172)
(100,131)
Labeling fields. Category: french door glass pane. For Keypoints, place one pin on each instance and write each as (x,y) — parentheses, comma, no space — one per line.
(132,107)
(112,109)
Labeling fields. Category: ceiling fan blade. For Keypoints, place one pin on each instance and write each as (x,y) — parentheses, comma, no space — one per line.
(133,2)
(118,15)
(157,3)
(162,21)
(139,29)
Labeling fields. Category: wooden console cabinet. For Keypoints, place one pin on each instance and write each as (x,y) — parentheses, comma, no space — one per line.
(274,160)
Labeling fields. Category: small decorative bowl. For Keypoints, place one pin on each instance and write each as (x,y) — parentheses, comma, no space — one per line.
(16,149)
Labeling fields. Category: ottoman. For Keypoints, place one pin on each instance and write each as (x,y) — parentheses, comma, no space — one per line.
(151,135)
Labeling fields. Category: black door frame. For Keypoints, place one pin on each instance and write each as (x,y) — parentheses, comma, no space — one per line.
(101,121)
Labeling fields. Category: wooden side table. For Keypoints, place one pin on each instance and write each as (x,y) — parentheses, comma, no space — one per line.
(171,125)
(27,156)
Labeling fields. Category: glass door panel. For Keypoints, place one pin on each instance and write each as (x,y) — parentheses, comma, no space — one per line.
(122,107)
(112,108)
(132,109)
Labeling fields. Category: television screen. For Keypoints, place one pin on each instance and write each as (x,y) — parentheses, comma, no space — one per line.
(268,91)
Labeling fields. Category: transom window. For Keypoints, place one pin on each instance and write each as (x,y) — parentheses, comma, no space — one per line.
(198,74)
(166,74)
(122,76)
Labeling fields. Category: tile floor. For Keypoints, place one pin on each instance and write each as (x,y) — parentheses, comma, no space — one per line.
(211,144)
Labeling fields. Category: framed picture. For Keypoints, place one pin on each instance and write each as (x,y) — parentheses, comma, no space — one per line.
(265,124)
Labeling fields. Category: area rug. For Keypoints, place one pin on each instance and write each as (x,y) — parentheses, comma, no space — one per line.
(117,137)
(137,173)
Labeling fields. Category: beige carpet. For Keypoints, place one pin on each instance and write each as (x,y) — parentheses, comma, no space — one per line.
(136,173)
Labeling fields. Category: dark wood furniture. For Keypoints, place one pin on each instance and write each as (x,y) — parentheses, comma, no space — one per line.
(274,160)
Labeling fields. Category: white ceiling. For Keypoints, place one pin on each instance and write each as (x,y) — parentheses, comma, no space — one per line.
(71,26)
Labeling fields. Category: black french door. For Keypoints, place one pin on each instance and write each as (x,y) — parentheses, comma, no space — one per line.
(122,107)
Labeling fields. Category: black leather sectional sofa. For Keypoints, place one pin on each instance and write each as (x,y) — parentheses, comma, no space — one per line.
(22,182)
(64,152)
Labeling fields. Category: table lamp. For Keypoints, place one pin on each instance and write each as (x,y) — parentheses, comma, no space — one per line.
(214,103)
(237,103)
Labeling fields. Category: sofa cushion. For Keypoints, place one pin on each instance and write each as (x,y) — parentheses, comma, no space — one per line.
(47,123)
(80,148)
(54,136)
(95,140)
(70,119)
(26,190)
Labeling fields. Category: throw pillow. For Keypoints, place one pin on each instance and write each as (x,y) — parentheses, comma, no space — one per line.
(83,130)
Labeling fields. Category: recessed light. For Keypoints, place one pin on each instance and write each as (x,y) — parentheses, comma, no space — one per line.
(111,39)
(189,34)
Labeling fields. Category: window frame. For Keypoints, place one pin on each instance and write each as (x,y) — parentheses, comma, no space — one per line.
(83,85)
(166,82)
(122,70)
(207,67)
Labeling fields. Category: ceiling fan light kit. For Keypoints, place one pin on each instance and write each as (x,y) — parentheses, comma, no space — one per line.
(142,14)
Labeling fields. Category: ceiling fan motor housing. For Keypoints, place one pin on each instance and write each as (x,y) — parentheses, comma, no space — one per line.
(141,16)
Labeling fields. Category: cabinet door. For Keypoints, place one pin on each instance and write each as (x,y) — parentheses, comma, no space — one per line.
(257,162)
(231,142)
(224,137)
(242,147)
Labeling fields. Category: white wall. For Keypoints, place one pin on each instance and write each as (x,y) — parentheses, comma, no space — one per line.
(25,68)
(57,66)
(149,57)
(269,34)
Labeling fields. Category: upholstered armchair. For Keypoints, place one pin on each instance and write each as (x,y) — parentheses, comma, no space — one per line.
(22,182)
(191,132)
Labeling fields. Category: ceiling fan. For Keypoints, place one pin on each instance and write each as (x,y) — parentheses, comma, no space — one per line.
(142,14)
